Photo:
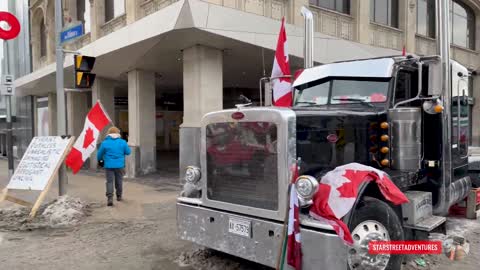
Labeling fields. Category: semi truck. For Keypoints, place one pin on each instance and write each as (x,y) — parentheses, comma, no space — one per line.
(405,115)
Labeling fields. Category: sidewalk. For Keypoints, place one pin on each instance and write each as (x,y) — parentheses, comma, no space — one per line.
(137,233)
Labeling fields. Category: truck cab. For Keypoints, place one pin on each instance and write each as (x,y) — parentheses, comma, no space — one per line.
(389,113)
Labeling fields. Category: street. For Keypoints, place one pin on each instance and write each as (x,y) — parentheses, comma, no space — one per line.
(140,233)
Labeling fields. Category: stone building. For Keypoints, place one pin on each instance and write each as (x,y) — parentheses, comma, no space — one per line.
(162,64)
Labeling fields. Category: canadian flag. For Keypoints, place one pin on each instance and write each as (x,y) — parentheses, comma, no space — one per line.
(294,243)
(281,84)
(338,191)
(86,143)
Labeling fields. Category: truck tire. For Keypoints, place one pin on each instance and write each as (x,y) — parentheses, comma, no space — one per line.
(374,219)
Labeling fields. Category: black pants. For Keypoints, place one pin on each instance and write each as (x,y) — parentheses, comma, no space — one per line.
(117,176)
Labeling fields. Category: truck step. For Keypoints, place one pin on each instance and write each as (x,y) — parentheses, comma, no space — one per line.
(427,224)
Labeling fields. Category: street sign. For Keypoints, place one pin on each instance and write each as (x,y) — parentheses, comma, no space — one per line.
(71,33)
(6,87)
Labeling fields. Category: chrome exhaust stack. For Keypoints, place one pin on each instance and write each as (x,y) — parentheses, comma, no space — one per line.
(308,39)
(450,192)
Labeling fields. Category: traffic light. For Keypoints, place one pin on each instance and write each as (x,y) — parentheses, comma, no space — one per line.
(83,67)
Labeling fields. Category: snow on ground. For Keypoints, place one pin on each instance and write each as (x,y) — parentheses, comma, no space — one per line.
(63,212)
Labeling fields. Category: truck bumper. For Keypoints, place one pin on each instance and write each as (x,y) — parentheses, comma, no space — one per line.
(209,228)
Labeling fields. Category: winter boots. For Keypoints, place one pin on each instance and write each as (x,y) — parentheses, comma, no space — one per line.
(109,201)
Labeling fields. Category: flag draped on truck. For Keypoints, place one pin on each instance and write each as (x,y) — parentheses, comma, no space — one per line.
(281,81)
(338,191)
(97,119)
(294,244)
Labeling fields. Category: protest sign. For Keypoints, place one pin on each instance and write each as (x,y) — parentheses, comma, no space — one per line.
(38,167)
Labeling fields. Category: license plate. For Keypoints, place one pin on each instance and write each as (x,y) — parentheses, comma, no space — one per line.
(239,227)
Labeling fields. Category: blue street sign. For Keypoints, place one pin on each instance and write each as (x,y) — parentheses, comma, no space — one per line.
(71,33)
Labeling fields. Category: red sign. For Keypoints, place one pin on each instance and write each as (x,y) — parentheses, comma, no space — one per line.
(405,247)
(12,22)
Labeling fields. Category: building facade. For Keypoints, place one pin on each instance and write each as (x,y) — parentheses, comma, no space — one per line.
(162,64)
(17,51)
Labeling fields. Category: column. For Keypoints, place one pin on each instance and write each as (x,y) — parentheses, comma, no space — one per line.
(141,123)
(104,91)
(408,23)
(294,15)
(202,93)
(361,13)
(97,18)
(77,109)
(52,114)
(132,8)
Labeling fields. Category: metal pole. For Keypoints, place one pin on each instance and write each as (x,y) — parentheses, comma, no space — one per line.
(308,39)
(9,118)
(443,49)
(61,112)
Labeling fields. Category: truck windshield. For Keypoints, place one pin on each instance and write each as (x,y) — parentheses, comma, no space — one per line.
(341,91)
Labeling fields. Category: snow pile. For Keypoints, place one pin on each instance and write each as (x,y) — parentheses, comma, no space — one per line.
(63,212)
(66,211)
(206,259)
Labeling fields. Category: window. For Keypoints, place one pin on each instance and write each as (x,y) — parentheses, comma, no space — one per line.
(384,12)
(342,6)
(342,91)
(113,9)
(83,14)
(43,39)
(463,25)
(426,18)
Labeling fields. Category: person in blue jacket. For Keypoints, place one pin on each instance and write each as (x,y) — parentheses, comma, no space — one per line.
(113,151)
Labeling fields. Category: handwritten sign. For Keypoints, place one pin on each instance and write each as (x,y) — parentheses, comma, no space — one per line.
(40,163)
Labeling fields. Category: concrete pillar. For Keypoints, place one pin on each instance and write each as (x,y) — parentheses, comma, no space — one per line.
(294,15)
(52,114)
(77,109)
(407,21)
(50,28)
(202,93)
(132,8)
(361,13)
(104,91)
(97,18)
(141,123)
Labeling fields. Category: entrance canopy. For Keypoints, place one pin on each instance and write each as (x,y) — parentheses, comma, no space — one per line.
(155,43)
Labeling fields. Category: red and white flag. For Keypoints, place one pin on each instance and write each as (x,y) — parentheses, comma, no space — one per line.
(86,143)
(282,85)
(338,191)
(294,243)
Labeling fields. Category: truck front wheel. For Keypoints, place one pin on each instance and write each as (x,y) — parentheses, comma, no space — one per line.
(373,220)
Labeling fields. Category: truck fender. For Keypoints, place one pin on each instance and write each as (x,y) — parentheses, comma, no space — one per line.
(369,189)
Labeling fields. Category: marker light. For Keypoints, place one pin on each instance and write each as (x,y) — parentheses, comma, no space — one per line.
(384,125)
(438,108)
(384,138)
(384,150)
(385,162)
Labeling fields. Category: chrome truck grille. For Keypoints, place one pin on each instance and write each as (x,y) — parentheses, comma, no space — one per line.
(246,156)
(242,163)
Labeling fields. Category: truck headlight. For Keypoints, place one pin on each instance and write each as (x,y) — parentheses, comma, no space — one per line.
(306,187)
(192,174)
